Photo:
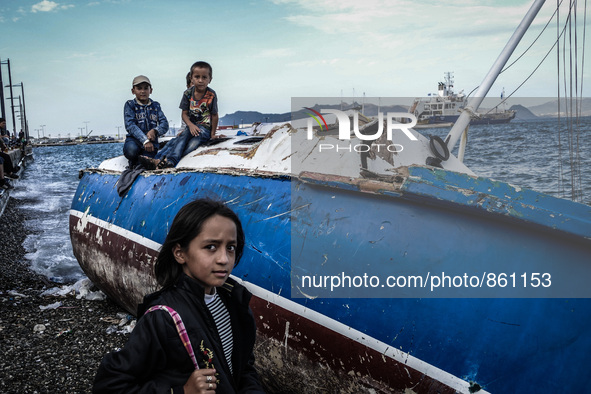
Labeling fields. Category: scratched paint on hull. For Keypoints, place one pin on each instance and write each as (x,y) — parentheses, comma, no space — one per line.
(453,334)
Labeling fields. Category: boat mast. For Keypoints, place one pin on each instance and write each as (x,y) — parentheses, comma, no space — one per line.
(472,106)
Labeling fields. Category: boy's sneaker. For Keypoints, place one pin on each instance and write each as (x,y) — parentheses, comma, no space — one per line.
(148,163)
(5,184)
(164,164)
(12,175)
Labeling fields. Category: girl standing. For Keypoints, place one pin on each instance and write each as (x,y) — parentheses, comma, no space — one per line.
(204,244)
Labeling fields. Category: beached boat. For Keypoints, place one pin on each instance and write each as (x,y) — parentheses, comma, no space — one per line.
(445,106)
(347,238)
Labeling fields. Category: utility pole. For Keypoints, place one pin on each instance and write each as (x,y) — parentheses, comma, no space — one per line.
(21,115)
(24,114)
(7,62)
(43,129)
(22,110)
(87,122)
(2,109)
(22,105)
(11,96)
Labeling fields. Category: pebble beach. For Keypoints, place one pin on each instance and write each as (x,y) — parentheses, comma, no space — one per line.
(55,342)
(50,343)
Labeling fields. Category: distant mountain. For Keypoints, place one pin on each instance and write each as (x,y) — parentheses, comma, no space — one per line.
(522,113)
(249,117)
(550,109)
(372,109)
(366,109)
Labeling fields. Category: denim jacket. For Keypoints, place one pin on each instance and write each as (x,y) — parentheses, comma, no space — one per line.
(141,118)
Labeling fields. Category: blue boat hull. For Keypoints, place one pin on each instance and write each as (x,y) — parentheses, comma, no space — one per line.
(502,344)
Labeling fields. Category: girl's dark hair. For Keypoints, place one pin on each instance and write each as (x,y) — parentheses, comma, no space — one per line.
(201,64)
(187,224)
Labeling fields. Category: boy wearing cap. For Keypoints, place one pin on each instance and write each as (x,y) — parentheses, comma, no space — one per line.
(144,122)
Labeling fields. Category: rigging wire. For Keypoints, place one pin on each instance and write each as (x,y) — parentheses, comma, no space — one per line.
(576,131)
(524,52)
(568,90)
(560,169)
(582,79)
(577,187)
(537,67)
(572,100)
(566,112)
(572,111)
(535,40)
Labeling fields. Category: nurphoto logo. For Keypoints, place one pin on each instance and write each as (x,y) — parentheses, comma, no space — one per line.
(345,130)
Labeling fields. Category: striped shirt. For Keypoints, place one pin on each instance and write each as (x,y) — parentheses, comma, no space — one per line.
(221,317)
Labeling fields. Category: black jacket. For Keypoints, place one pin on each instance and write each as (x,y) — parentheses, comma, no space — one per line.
(154,359)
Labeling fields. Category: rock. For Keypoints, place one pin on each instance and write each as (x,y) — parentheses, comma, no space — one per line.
(55,305)
(56,349)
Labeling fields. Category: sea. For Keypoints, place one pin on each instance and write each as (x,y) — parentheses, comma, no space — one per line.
(46,189)
(541,155)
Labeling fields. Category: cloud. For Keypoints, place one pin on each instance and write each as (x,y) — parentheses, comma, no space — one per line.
(431,18)
(48,6)
(275,53)
(82,55)
(44,6)
(338,17)
(316,62)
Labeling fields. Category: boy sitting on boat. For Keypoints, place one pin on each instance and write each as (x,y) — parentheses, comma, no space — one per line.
(144,122)
(199,105)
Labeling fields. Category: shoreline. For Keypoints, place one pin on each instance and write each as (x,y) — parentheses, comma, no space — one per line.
(55,343)
(40,145)
(52,349)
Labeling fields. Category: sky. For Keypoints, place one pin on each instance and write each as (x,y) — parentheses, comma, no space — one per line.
(77,58)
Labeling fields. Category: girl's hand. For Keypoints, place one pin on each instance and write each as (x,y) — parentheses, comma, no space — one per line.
(201,381)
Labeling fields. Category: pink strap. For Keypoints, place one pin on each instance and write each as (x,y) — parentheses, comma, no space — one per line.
(180,327)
